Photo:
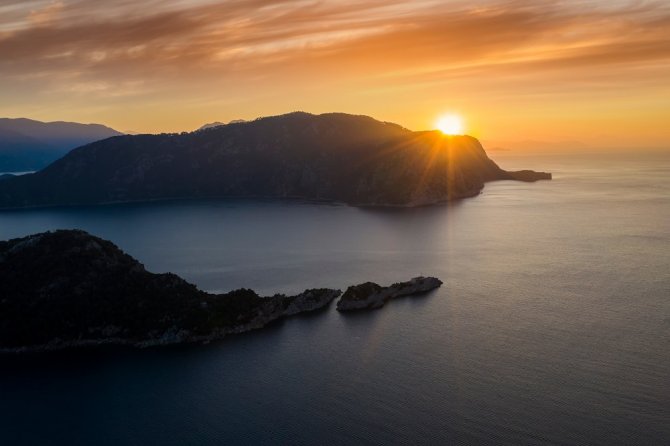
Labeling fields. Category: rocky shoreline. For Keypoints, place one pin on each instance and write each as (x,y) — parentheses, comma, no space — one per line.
(310,300)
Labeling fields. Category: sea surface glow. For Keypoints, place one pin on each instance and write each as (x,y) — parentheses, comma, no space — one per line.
(552,327)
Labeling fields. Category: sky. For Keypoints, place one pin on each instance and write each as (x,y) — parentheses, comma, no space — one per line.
(597,72)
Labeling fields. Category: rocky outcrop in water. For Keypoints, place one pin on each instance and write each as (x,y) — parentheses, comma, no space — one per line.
(369,295)
(68,288)
(331,157)
(529,175)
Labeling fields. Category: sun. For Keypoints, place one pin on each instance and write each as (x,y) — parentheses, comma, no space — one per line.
(450,124)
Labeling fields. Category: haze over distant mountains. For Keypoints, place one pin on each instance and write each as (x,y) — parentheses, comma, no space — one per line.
(218,123)
(26,144)
(536,145)
(331,157)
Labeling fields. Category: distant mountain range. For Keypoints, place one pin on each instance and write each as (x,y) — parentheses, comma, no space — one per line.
(26,144)
(218,124)
(331,157)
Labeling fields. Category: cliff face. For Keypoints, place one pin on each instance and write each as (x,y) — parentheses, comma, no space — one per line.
(334,157)
(69,288)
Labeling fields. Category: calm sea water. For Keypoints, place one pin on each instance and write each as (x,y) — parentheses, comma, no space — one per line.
(552,327)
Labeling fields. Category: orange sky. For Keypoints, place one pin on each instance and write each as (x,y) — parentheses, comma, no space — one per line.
(592,71)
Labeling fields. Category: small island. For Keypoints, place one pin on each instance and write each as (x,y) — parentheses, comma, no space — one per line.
(369,295)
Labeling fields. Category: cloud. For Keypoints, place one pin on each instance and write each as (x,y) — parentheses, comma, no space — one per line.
(125,48)
(217,38)
(46,14)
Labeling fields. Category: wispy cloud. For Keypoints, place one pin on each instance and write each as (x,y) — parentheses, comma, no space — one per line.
(122,40)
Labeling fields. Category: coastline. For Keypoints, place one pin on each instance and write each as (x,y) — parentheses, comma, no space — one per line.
(411,204)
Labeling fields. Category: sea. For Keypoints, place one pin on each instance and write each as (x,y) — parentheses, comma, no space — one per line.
(552,326)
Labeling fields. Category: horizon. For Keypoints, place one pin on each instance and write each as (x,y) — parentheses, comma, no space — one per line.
(511,71)
(490,145)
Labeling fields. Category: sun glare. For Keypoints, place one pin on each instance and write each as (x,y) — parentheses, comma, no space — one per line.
(450,124)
